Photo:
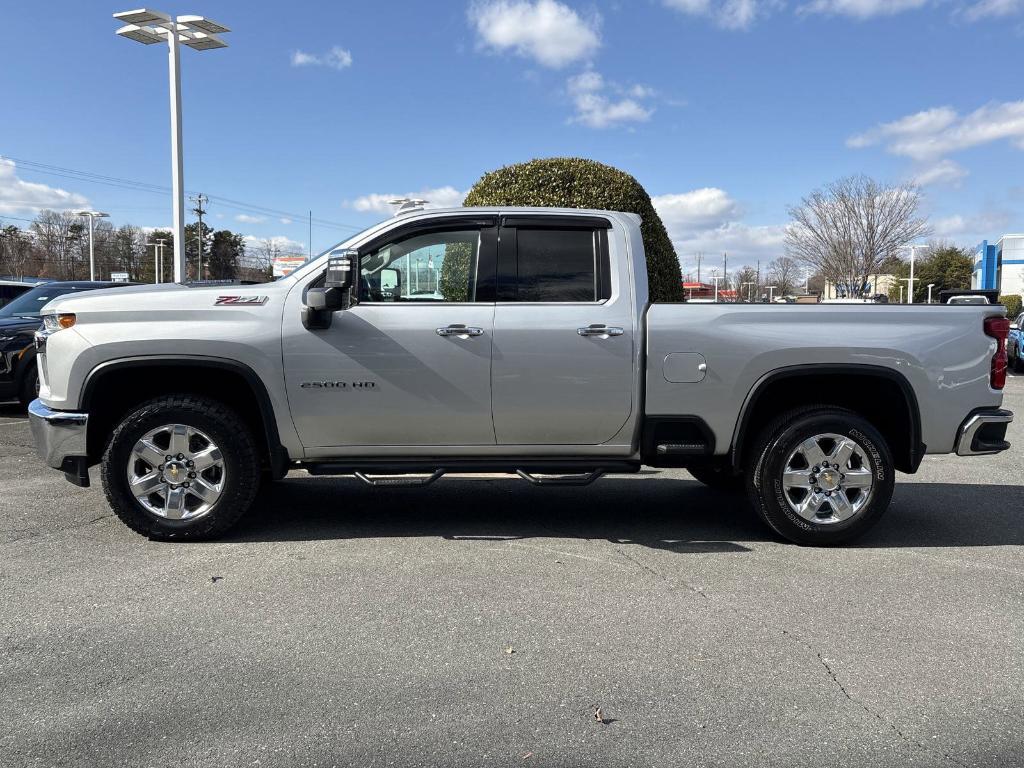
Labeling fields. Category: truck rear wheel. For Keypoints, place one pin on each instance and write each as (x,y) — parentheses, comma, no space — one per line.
(820,476)
(181,467)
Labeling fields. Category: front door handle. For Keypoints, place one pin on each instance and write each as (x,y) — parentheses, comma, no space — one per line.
(461,331)
(604,331)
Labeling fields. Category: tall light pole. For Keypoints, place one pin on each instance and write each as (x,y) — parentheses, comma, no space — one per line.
(771,293)
(750,291)
(912,279)
(148,27)
(930,286)
(92,256)
(714,276)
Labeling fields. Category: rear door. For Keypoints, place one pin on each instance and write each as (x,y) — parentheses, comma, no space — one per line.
(562,362)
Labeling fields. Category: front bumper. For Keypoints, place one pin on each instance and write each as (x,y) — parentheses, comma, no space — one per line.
(984,433)
(61,440)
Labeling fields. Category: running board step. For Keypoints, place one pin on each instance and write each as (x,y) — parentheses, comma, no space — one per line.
(586,479)
(682,449)
(400,481)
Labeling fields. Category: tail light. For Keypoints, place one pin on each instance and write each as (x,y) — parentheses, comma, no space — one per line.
(998,328)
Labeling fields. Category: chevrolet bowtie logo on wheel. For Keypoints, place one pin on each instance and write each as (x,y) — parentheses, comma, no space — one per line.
(240,300)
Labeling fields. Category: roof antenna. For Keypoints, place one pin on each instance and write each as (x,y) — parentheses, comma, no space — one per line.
(407,204)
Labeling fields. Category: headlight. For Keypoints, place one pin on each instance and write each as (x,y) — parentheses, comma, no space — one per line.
(56,322)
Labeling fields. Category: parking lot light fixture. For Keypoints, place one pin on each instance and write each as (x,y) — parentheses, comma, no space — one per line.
(147,26)
(91,215)
(930,286)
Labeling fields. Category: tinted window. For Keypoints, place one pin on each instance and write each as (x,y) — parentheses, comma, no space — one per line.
(435,267)
(557,265)
(30,302)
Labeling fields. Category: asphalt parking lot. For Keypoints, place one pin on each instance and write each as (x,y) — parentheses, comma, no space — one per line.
(480,622)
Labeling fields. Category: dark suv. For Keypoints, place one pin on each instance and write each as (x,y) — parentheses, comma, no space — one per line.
(19,320)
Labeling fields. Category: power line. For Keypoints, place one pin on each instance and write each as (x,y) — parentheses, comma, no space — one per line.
(140,186)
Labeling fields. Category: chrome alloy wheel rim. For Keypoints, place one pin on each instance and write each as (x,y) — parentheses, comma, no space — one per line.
(828,479)
(176,472)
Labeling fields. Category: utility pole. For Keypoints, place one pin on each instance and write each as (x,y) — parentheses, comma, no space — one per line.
(199,211)
(156,261)
(698,265)
(310,244)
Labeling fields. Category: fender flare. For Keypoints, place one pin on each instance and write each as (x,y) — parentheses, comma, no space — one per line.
(917,448)
(278,455)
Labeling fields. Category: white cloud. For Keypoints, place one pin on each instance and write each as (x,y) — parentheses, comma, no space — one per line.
(17,195)
(245,218)
(862,9)
(972,227)
(934,133)
(600,104)
(730,14)
(336,58)
(943,172)
(685,213)
(285,220)
(285,245)
(708,221)
(551,33)
(438,197)
(988,9)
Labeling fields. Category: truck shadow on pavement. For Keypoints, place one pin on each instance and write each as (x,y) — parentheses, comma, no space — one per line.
(675,515)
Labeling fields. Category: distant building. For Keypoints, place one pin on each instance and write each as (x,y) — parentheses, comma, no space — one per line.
(999,266)
(874,285)
(707,291)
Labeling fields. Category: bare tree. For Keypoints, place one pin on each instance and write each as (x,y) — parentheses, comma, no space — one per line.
(15,251)
(58,236)
(846,230)
(744,282)
(785,274)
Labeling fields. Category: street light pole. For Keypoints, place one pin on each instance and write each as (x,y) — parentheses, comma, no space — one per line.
(91,215)
(771,292)
(930,286)
(148,27)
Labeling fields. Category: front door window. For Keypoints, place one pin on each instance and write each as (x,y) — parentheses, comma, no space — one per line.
(437,267)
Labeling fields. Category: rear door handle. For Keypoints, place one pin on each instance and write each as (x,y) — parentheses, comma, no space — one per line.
(459,330)
(599,330)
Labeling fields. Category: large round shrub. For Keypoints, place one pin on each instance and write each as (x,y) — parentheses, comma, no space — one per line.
(574,182)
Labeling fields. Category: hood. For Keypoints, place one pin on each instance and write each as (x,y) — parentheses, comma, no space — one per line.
(18,323)
(165,296)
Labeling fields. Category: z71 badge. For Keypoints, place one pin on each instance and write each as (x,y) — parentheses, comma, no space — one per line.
(240,300)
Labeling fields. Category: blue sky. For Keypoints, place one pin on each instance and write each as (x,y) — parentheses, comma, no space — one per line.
(726,111)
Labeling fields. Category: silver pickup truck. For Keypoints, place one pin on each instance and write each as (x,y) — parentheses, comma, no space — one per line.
(507,340)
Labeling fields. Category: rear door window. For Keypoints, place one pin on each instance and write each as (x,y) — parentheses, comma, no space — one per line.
(555,264)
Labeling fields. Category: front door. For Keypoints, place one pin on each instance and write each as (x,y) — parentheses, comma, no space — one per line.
(563,361)
(410,363)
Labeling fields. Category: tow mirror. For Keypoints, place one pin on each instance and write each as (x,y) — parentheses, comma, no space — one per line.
(336,293)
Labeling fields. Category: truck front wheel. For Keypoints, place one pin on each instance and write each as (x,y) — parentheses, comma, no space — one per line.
(181,467)
(820,475)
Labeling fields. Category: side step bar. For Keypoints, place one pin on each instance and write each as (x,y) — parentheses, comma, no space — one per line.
(416,473)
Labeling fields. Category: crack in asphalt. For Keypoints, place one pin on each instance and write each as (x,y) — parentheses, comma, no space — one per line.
(829,671)
(877,715)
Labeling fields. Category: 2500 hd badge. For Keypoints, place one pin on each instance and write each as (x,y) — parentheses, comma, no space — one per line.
(338,384)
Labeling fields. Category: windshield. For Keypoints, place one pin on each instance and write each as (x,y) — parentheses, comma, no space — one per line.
(30,302)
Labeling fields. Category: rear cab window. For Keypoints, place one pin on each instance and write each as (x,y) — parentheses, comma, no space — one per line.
(561,259)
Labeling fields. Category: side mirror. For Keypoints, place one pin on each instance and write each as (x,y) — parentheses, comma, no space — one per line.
(336,293)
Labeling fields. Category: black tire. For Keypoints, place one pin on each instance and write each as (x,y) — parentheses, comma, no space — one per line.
(720,477)
(226,429)
(768,460)
(29,390)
